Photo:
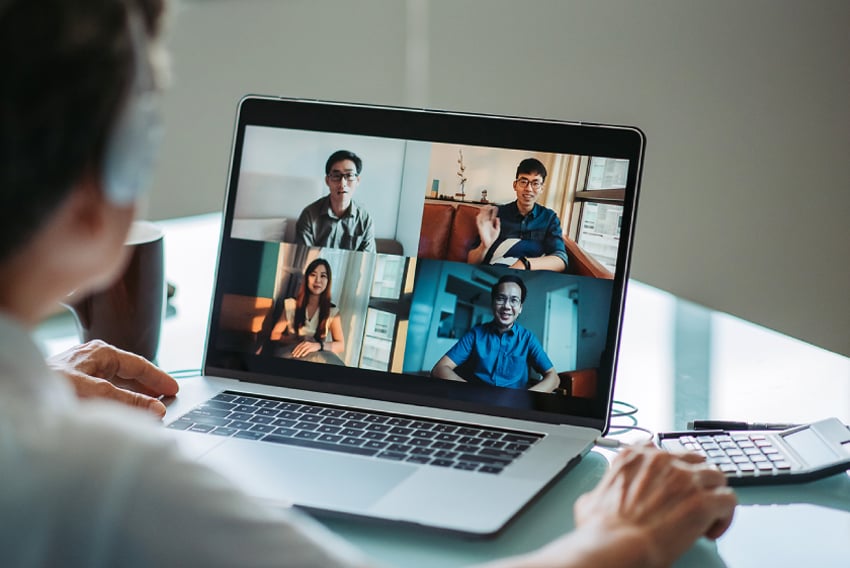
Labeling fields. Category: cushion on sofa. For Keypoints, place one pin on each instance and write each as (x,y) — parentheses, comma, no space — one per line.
(436,225)
(464,233)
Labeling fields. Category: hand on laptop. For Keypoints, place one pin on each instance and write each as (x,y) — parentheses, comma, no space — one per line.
(97,369)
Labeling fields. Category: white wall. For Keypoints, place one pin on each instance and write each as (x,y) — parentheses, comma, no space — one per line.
(745,105)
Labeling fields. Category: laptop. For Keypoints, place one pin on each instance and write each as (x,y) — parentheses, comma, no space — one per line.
(320,385)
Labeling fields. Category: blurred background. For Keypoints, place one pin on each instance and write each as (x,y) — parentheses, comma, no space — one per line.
(745,194)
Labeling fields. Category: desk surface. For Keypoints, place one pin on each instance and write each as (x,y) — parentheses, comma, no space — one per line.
(678,361)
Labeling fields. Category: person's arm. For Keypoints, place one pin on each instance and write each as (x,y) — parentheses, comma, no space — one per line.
(549,262)
(304,228)
(556,252)
(646,511)
(368,242)
(99,370)
(489,227)
(445,369)
(337,344)
(550,382)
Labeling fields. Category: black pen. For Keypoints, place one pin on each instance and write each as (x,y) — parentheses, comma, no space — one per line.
(736,425)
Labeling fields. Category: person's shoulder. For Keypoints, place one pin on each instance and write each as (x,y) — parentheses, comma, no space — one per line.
(318,205)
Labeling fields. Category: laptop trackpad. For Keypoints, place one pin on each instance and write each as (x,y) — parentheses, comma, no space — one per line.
(310,478)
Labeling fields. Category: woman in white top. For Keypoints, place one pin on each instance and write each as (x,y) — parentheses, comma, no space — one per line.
(311,321)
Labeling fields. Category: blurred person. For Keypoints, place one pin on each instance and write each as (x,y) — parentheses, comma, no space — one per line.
(96,483)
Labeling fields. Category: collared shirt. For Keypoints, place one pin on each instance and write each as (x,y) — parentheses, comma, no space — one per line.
(98,484)
(500,359)
(539,230)
(318,226)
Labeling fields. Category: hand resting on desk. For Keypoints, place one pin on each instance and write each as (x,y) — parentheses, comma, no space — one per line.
(97,369)
(647,510)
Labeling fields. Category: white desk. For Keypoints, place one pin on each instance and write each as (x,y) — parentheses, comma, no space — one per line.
(678,361)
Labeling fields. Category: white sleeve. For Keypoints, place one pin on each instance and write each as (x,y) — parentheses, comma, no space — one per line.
(180,513)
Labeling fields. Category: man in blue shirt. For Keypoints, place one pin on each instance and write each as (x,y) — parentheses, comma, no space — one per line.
(500,351)
(521,234)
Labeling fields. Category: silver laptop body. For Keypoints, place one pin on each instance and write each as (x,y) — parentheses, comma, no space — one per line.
(401,308)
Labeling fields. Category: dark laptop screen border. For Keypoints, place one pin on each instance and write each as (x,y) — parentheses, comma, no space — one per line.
(439,127)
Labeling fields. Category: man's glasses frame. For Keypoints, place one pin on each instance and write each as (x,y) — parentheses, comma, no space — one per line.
(347,176)
(535,184)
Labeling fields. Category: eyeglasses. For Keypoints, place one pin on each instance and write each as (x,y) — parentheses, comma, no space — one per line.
(512,301)
(337,177)
(525,182)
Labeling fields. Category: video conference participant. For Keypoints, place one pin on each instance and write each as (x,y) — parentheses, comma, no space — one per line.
(499,352)
(335,220)
(521,234)
(100,483)
(310,322)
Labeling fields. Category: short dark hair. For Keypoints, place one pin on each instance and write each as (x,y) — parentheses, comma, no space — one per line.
(67,70)
(509,278)
(531,166)
(341,155)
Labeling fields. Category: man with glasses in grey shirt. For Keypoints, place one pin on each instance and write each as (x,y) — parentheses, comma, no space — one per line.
(335,220)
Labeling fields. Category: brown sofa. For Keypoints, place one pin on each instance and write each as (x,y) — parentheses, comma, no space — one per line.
(449,232)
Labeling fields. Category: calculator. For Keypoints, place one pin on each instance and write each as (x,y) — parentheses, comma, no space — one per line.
(799,454)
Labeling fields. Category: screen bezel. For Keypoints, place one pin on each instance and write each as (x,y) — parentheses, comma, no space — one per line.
(553,136)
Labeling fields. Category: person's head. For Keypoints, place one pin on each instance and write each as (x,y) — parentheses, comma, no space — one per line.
(507,297)
(316,285)
(530,175)
(342,175)
(70,126)
(317,279)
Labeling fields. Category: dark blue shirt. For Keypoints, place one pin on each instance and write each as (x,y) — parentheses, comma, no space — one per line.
(500,359)
(540,232)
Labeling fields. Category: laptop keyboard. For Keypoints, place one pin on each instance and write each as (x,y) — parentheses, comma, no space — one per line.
(364,433)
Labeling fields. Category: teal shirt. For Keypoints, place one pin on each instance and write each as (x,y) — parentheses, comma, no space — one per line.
(498,359)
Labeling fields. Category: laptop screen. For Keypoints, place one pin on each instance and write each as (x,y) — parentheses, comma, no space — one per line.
(462,261)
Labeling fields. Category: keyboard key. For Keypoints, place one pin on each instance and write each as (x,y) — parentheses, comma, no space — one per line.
(241,424)
(267,412)
(375,445)
(490,469)
(519,438)
(244,416)
(331,421)
(203,428)
(467,466)
(307,435)
(249,435)
(352,441)
(395,456)
(319,445)
(245,408)
(443,463)
(396,421)
(418,459)
(332,412)
(467,431)
(265,428)
(329,438)
(246,400)
(354,432)
(180,424)
(224,397)
(447,428)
